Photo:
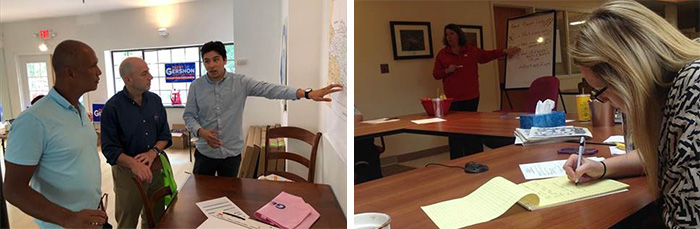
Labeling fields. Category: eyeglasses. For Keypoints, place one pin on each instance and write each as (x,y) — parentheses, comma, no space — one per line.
(103,206)
(596,93)
(103,203)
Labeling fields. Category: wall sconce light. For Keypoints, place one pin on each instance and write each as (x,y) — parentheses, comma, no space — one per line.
(163,32)
(43,47)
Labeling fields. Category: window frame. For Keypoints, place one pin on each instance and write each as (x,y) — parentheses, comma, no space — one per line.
(199,63)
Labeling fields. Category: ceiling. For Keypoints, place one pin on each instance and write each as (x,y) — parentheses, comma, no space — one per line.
(18,10)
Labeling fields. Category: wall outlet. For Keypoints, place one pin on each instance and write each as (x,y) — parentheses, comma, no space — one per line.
(384,68)
(241,61)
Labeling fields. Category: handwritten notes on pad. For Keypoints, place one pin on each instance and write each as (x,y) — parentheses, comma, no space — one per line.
(498,195)
(485,203)
(559,190)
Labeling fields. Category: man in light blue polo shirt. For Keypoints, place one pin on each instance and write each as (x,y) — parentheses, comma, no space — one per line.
(214,111)
(53,168)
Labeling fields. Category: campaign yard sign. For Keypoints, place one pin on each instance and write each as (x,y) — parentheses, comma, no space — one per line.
(180,72)
(97,111)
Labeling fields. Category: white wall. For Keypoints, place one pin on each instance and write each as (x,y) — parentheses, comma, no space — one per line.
(257,40)
(309,23)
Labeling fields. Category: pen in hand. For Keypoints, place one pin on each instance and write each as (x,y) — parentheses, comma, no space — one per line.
(581,146)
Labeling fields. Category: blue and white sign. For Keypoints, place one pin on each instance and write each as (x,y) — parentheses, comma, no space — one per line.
(97,111)
(180,72)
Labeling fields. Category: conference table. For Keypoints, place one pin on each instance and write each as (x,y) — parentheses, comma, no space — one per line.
(484,124)
(402,195)
(249,195)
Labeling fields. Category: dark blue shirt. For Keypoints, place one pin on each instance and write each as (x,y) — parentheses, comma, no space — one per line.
(132,129)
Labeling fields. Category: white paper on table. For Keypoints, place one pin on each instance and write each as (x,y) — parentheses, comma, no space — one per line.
(547,169)
(615,151)
(211,207)
(381,120)
(236,222)
(569,120)
(518,141)
(214,222)
(427,120)
(615,138)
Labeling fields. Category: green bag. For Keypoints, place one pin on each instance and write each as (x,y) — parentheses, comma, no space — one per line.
(168,179)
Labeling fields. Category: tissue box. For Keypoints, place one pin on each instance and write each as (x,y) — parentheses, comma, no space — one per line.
(556,118)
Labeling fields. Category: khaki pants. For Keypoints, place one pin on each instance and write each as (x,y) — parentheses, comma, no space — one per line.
(128,200)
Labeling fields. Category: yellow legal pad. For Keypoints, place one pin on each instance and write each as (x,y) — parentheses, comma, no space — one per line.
(498,195)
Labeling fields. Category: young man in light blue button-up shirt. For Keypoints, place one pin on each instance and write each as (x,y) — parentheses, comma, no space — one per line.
(53,168)
(214,111)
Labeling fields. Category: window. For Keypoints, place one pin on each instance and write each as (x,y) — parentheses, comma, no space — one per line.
(37,79)
(568,24)
(156,58)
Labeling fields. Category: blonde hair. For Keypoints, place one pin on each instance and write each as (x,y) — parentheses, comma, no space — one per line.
(638,54)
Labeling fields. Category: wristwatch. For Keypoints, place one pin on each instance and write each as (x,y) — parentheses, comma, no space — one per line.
(306,93)
(158,151)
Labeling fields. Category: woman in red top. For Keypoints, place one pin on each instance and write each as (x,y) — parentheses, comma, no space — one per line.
(456,66)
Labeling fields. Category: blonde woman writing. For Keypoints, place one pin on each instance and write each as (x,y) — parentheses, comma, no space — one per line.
(644,66)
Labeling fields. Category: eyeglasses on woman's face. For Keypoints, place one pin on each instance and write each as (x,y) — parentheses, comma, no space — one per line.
(595,94)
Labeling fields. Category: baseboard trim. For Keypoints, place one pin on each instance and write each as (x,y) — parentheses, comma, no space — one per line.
(413,155)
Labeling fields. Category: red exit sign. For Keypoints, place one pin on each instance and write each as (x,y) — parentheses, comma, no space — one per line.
(45,34)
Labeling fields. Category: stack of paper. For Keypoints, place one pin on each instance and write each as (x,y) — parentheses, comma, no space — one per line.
(222,213)
(274,177)
(427,120)
(537,135)
(288,211)
(498,195)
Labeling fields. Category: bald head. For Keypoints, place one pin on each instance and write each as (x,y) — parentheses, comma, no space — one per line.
(127,67)
(67,54)
(136,75)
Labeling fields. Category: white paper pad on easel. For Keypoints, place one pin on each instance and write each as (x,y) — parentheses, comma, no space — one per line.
(427,120)
(211,207)
(547,169)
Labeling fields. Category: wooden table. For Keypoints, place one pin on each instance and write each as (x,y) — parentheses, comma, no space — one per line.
(250,195)
(402,195)
(488,124)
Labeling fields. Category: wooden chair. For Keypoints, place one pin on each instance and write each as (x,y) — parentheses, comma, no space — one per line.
(299,134)
(150,201)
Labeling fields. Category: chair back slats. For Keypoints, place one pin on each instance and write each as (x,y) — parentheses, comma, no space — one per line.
(289,156)
(295,133)
(292,132)
(160,193)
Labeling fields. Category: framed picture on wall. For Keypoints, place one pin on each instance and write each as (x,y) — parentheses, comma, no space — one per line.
(475,35)
(411,40)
